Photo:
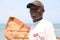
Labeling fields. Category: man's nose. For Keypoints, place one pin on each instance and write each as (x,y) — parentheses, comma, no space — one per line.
(33,12)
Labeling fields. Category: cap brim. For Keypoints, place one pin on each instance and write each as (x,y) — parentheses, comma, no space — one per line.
(29,5)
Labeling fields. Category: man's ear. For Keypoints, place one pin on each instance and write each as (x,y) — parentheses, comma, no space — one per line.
(43,10)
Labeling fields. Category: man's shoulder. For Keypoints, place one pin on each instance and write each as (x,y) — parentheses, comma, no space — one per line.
(43,21)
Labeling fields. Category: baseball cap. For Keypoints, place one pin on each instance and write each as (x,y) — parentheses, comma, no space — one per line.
(36,3)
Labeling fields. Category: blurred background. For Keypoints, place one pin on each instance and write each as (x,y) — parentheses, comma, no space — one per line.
(18,9)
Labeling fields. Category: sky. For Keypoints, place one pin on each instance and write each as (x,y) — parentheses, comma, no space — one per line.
(18,9)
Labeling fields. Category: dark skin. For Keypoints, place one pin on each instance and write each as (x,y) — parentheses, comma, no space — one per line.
(36,13)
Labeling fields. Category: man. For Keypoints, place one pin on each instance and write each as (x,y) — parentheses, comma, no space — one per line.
(41,29)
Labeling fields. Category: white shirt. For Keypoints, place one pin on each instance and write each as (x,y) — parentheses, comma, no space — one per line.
(42,30)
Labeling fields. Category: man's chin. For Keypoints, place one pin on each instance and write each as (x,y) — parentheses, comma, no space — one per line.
(35,20)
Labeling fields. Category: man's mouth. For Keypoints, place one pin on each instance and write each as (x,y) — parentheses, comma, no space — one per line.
(33,16)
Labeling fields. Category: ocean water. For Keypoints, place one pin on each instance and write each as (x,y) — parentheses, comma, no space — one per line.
(2,37)
(57,29)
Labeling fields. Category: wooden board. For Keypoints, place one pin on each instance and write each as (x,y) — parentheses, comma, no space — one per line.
(16,29)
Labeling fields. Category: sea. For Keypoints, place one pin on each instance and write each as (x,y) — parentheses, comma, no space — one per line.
(2,26)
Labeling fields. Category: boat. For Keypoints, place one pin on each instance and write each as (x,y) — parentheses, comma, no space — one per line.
(16,29)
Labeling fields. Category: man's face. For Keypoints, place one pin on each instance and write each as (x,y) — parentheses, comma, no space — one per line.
(36,13)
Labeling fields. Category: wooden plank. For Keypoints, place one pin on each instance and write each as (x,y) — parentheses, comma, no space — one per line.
(16,29)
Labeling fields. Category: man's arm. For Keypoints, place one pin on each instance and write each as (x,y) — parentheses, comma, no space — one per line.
(50,33)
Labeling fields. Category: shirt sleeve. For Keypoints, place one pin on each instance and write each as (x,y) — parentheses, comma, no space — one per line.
(50,33)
